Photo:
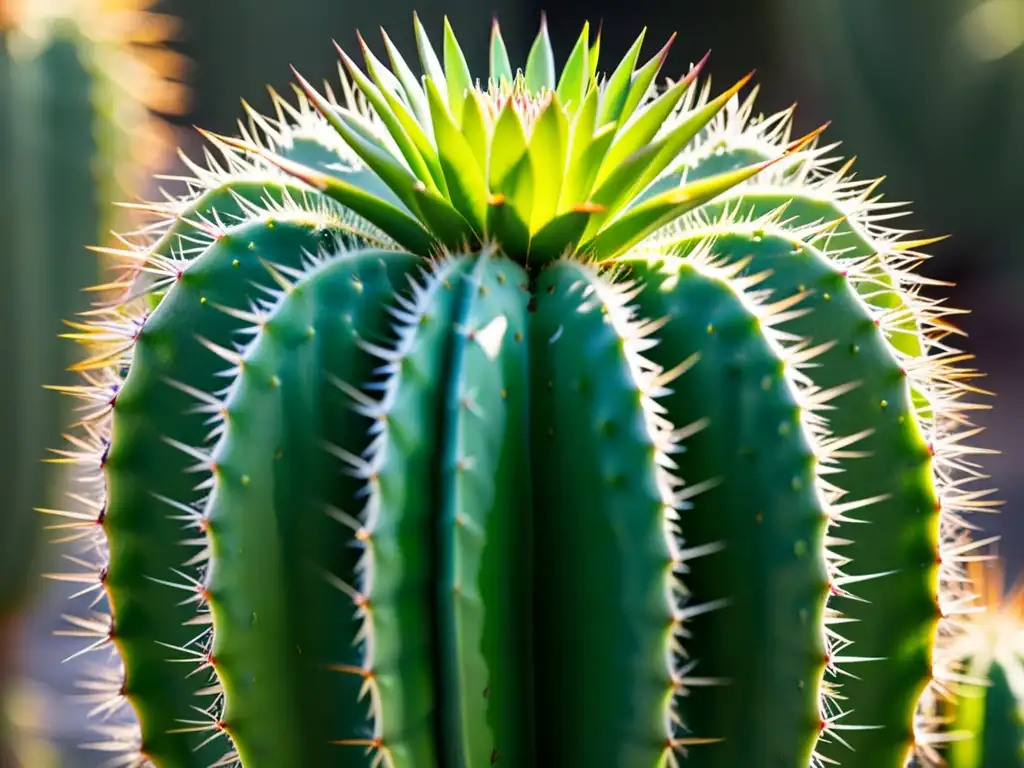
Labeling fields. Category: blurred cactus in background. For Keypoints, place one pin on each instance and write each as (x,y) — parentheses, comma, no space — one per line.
(80,81)
(988,714)
(928,91)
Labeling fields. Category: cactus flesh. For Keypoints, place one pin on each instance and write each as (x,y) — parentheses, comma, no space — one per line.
(554,418)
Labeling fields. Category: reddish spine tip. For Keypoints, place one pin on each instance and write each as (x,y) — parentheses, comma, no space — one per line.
(345,58)
(696,69)
(663,53)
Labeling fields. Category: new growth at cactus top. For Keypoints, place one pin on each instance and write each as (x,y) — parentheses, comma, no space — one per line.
(556,414)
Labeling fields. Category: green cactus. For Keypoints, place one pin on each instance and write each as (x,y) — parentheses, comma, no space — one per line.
(551,419)
(988,716)
(74,134)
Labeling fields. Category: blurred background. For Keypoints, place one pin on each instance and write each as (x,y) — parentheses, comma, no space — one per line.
(926,92)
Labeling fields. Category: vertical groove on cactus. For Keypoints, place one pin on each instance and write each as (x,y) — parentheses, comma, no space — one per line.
(611,289)
(147,513)
(401,537)
(853,362)
(483,585)
(154,455)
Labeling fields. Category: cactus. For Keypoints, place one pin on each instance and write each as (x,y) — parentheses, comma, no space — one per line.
(988,715)
(74,133)
(552,418)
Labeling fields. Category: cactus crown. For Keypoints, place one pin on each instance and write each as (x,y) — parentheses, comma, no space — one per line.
(522,313)
(542,163)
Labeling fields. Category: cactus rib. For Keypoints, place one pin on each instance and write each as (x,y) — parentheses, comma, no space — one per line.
(606,612)
(768,510)
(266,513)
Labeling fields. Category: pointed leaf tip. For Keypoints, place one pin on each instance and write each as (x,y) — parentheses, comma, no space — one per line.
(360,40)
(663,53)
(736,88)
(500,66)
(540,62)
(230,141)
(303,82)
(346,59)
(695,70)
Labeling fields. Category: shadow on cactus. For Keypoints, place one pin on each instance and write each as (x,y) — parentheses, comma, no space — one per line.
(552,418)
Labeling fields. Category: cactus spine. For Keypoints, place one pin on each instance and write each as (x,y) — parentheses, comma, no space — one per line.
(457,423)
(77,83)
